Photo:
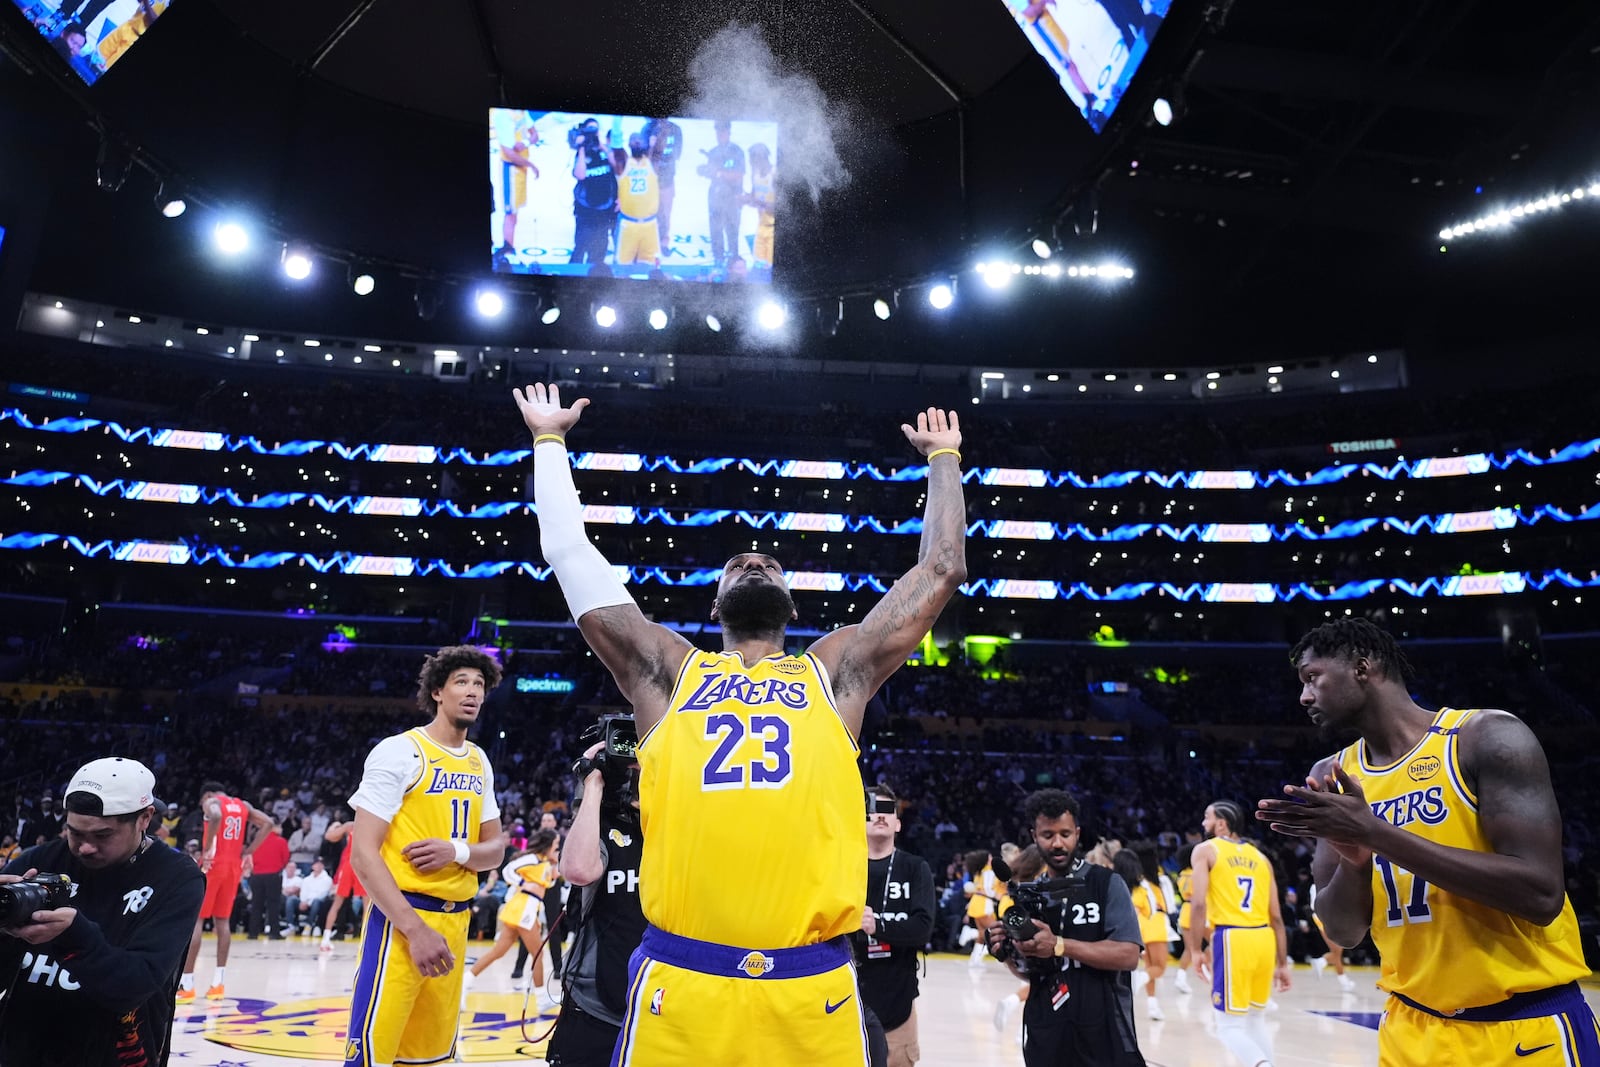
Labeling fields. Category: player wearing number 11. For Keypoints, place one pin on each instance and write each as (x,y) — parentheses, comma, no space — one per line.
(426,822)
(749,798)
(1439,832)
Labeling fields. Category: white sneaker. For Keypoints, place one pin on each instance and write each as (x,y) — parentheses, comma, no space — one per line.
(1347,983)
(1272,1005)
(968,936)
(547,1004)
(1152,1008)
(1319,964)
(1003,1009)
(1180,982)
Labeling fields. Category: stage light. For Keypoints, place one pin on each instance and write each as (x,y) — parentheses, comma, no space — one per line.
(231,238)
(551,314)
(605,316)
(658,319)
(880,308)
(997,275)
(713,324)
(296,263)
(172,208)
(1169,377)
(490,303)
(1161,110)
(941,297)
(111,166)
(1041,248)
(363,284)
(771,315)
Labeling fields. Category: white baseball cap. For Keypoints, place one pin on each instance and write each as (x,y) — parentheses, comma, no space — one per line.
(121,786)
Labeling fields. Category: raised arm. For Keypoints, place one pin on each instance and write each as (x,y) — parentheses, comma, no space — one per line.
(860,658)
(642,656)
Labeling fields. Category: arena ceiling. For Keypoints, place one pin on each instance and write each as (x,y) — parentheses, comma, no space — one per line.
(1295,204)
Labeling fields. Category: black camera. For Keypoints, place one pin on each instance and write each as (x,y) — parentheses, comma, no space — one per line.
(616,761)
(584,135)
(1030,901)
(42,892)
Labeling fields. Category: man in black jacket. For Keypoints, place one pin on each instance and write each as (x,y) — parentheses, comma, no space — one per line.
(1078,958)
(894,927)
(601,861)
(93,982)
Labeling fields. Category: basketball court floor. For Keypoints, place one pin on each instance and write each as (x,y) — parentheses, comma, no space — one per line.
(288,1004)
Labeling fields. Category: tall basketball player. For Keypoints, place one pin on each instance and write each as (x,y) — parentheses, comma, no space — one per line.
(426,823)
(222,856)
(750,801)
(1439,832)
(638,199)
(1236,894)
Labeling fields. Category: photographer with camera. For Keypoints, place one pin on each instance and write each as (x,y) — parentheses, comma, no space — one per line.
(93,947)
(594,197)
(894,928)
(1074,938)
(601,862)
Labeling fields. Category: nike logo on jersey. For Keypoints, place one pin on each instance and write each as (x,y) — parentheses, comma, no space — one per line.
(1530,1051)
(830,1007)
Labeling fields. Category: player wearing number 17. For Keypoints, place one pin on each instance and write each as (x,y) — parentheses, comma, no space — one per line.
(426,822)
(749,797)
(1439,832)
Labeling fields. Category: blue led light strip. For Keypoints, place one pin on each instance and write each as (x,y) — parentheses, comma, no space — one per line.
(1435,467)
(815,522)
(180,554)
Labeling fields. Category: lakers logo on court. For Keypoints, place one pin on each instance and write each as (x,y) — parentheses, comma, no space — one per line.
(756,964)
(314,1029)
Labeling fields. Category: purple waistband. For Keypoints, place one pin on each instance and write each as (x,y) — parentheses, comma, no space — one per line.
(730,961)
(1535,1004)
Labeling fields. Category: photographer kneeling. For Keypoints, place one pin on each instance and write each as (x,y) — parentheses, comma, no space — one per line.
(1073,937)
(93,944)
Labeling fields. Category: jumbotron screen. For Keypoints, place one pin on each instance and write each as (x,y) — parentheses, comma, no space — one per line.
(1094,46)
(91,35)
(632,197)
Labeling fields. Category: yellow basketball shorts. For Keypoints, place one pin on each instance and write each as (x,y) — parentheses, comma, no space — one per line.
(397,1015)
(1548,1028)
(1241,967)
(639,241)
(513,186)
(521,910)
(763,246)
(696,1002)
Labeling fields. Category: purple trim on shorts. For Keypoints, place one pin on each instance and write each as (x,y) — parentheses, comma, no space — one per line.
(730,961)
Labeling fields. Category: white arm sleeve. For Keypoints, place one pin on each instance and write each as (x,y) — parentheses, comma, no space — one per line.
(587,580)
(491,806)
(392,765)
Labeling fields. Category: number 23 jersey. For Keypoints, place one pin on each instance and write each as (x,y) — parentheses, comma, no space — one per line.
(1438,948)
(751,806)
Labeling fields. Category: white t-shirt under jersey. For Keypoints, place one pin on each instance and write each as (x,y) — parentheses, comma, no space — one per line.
(393,764)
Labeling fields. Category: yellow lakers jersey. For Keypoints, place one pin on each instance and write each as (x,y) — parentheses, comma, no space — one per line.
(1241,882)
(1149,901)
(1184,877)
(1440,949)
(638,193)
(750,802)
(445,800)
(761,192)
(533,875)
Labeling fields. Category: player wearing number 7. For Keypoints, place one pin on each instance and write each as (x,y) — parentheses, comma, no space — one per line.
(426,823)
(746,958)
(1234,892)
(1439,832)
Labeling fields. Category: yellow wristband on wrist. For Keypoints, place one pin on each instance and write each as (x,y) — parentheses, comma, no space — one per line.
(557,438)
(1061,947)
(944,452)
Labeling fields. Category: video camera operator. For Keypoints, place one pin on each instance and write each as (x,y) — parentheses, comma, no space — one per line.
(594,194)
(1074,938)
(94,958)
(601,862)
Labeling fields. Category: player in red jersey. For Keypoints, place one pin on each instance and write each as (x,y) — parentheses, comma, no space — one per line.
(222,856)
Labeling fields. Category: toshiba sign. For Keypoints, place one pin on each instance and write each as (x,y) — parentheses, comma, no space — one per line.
(1377,444)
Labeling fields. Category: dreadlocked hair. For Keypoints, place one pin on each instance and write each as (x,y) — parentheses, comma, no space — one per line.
(1349,640)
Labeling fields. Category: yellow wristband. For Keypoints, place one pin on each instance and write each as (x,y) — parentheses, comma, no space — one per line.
(557,438)
(944,452)
(1060,949)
